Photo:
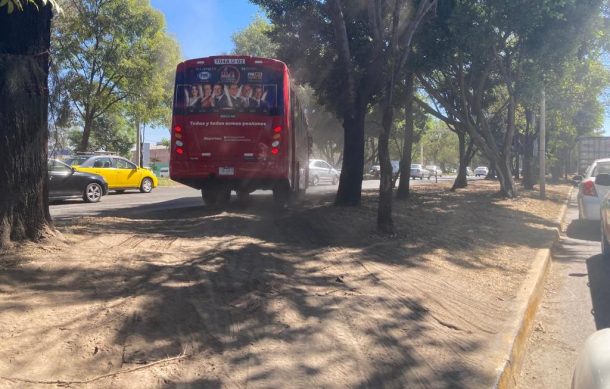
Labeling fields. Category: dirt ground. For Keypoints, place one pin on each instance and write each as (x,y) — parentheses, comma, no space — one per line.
(312,297)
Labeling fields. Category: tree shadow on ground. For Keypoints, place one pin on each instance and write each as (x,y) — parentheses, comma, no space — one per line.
(310,296)
(584,230)
(598,269)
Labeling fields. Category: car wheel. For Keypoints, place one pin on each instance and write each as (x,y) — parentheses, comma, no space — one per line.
(92,193)
(315,181)
(605,244)
(146,185)
(335,180)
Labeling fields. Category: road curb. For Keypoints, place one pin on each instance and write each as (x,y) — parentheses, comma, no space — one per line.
(531,293)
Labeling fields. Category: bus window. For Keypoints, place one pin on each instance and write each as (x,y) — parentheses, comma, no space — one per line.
(232,88)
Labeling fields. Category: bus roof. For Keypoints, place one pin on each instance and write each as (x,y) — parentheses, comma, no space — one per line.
(232,60)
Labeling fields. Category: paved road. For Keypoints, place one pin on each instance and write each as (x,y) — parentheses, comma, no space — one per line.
(575,304)
(166,198)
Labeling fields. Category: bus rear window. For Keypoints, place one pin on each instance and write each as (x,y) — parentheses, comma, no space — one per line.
(233,88)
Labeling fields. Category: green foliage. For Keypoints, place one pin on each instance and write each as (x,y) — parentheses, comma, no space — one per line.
(11,5)
(254,40)
(114,55)
(307,43)
(440,146)
(112,133)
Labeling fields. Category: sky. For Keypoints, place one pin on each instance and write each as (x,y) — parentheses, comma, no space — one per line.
(202,28)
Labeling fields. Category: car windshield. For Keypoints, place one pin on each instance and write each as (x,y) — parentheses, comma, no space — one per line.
(600,167)
(415,166)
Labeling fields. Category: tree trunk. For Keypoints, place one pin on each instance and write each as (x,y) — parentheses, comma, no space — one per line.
(24,97)
(405,162)
(461,181)
(87,125)
(384,211)
(528,153)
(350,183)
(503,170)
(517,166)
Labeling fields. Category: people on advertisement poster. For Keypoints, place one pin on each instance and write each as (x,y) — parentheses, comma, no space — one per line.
(193,95)
(246,96)
(207,99)
(217,95)
(234,101)
(259,98)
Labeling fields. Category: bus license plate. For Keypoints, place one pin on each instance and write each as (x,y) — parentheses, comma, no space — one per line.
(226,171)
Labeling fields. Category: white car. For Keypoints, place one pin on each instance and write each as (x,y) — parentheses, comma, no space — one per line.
(590,192)
(481,171)
(321,171)
(434,170)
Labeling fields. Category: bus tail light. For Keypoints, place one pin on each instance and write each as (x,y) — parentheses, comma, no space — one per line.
(179,150)
(277,129)
(275,151)
(588,189)
(178,129)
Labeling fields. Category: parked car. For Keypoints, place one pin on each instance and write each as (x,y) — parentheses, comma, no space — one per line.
(376,170)
(469,171)
(321,171)
(592,369)
(434,170)
(65,182)
(591,190)
(481,171)
(164,172)
(418,171)
(120,173)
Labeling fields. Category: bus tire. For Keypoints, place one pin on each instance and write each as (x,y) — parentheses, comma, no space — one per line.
(281,194)
(243,197)
(210,196)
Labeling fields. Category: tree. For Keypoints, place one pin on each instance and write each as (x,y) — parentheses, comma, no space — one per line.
(485,49)
(109,52)
(254,40)
(340,63)
(24,66)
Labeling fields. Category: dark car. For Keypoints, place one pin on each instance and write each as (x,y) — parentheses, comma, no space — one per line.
(65,182)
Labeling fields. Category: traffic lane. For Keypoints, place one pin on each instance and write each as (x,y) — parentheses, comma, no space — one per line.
(171,198)
(575,290)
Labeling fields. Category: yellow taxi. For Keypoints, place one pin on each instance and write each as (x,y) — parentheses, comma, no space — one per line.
(120,173)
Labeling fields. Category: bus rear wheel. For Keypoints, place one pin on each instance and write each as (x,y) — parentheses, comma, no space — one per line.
(281,194)
(210,196)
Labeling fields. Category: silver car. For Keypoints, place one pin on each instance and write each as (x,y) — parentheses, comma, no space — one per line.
(320,171)
(590,192)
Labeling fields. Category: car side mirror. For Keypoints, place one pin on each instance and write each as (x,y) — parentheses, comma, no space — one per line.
(602,179)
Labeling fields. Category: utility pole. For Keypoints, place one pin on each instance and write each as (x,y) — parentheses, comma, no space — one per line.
(542,145)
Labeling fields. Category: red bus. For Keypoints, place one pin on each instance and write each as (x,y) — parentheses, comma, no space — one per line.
(238,126)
